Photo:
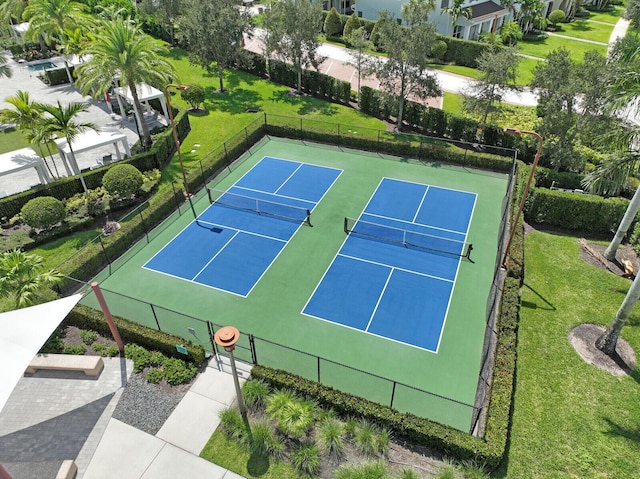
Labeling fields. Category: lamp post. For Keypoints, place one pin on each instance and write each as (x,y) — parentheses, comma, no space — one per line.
(175,133)
(515,131)
(227,337)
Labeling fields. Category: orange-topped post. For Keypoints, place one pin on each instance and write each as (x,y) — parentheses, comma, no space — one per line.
(227,337)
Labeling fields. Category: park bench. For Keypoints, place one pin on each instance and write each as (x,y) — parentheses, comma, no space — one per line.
(68,470)
(91,365)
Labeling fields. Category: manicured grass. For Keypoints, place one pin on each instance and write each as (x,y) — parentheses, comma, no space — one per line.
(587,30)
(11,139)
(59,250)
(570,419)
(542,48)
(458,70)
(610,16)
(230,455)
(525,71)
(226,113)
(514,116)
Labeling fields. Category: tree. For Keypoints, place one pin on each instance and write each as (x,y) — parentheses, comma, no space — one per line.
(499,67)
(358,57)
(375,32)
(27,116)
(608,341)
(51,19)
(62,121)
(333,24)
(166,13)
(122,50)
(22,276)
(457,10)
(295,26)
(404,73)
(531,14)
(353,23)
(632,12)
(214,31)
(557,16)
(194,96)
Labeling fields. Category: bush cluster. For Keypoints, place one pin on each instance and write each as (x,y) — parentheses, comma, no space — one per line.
(88,318)
(173,370)
(122,180)
(43,212)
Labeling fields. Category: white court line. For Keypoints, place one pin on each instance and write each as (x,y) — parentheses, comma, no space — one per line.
(253,190)
(394,267)
(288,178)
(215,255)
(420,205)
(384,288)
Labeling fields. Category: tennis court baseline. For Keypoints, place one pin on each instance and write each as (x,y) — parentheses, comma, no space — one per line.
(236,239)
(395,273)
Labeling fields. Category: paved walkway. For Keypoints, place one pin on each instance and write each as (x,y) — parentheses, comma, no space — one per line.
(53,416)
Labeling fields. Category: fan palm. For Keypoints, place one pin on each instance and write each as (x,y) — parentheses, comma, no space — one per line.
(122,49)
(27,116)
(51,19)
(62,121)
(22,276)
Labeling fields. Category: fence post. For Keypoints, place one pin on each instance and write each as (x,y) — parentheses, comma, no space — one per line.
(393,393)
(104,252)
(301,130)
(318,368)
(211,337)
(378,141)
(146,233)
(153,310)
(339,139)
(175,197)
(226,154)
(252,347)
(204,179)
(246,139)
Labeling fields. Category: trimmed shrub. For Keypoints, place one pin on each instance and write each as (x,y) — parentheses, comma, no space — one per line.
(306,458)
(43,212)
(140,356)
(333,24)
(330,440)
(233,426)
(194,96)
(122,180)
(510,33)
(88,337)
(76,349)
(438,49)
(177,371)
(154,376)
(254,394)
(375,33)
(556,16)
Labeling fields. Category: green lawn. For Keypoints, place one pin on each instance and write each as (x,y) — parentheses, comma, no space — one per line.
(569,418)
(587,30)
(11,139)
(611,16)
(542,48)
(458,70)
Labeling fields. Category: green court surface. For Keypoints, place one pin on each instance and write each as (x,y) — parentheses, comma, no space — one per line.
(272,311)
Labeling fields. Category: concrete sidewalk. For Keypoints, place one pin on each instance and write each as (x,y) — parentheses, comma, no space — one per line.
(128,453)
(53,416)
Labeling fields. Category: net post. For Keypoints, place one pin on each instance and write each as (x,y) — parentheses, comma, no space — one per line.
(346,226)
(209,194)
(308,218)
(468,253)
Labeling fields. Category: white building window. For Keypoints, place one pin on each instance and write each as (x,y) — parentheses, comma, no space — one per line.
(444,4)
(458,31)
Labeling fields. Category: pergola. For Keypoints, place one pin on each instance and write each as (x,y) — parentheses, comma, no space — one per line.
(145,94)
(23,159)
(86,141)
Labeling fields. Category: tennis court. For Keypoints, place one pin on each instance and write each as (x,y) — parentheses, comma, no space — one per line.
(233,242)
(399,264)
(264,284)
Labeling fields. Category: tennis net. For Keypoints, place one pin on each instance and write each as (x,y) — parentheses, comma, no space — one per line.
(260,206)
(408,238)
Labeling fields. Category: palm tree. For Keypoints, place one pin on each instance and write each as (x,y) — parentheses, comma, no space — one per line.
(22,276)
(607,342)
(11,10)
(5,70)
(456,10)
(52,18)
(27,116)
(62,122)
(121,49)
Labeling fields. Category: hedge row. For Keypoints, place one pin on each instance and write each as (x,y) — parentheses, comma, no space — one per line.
(66,187)
(58,76)
(85,317)
(575,211)
(546,178)
(434,121)
(421,149)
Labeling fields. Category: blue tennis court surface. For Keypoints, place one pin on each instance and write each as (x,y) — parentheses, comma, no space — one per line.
(234,241)
(395,273)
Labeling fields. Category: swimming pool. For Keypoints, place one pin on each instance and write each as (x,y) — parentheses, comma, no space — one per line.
(41,66)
